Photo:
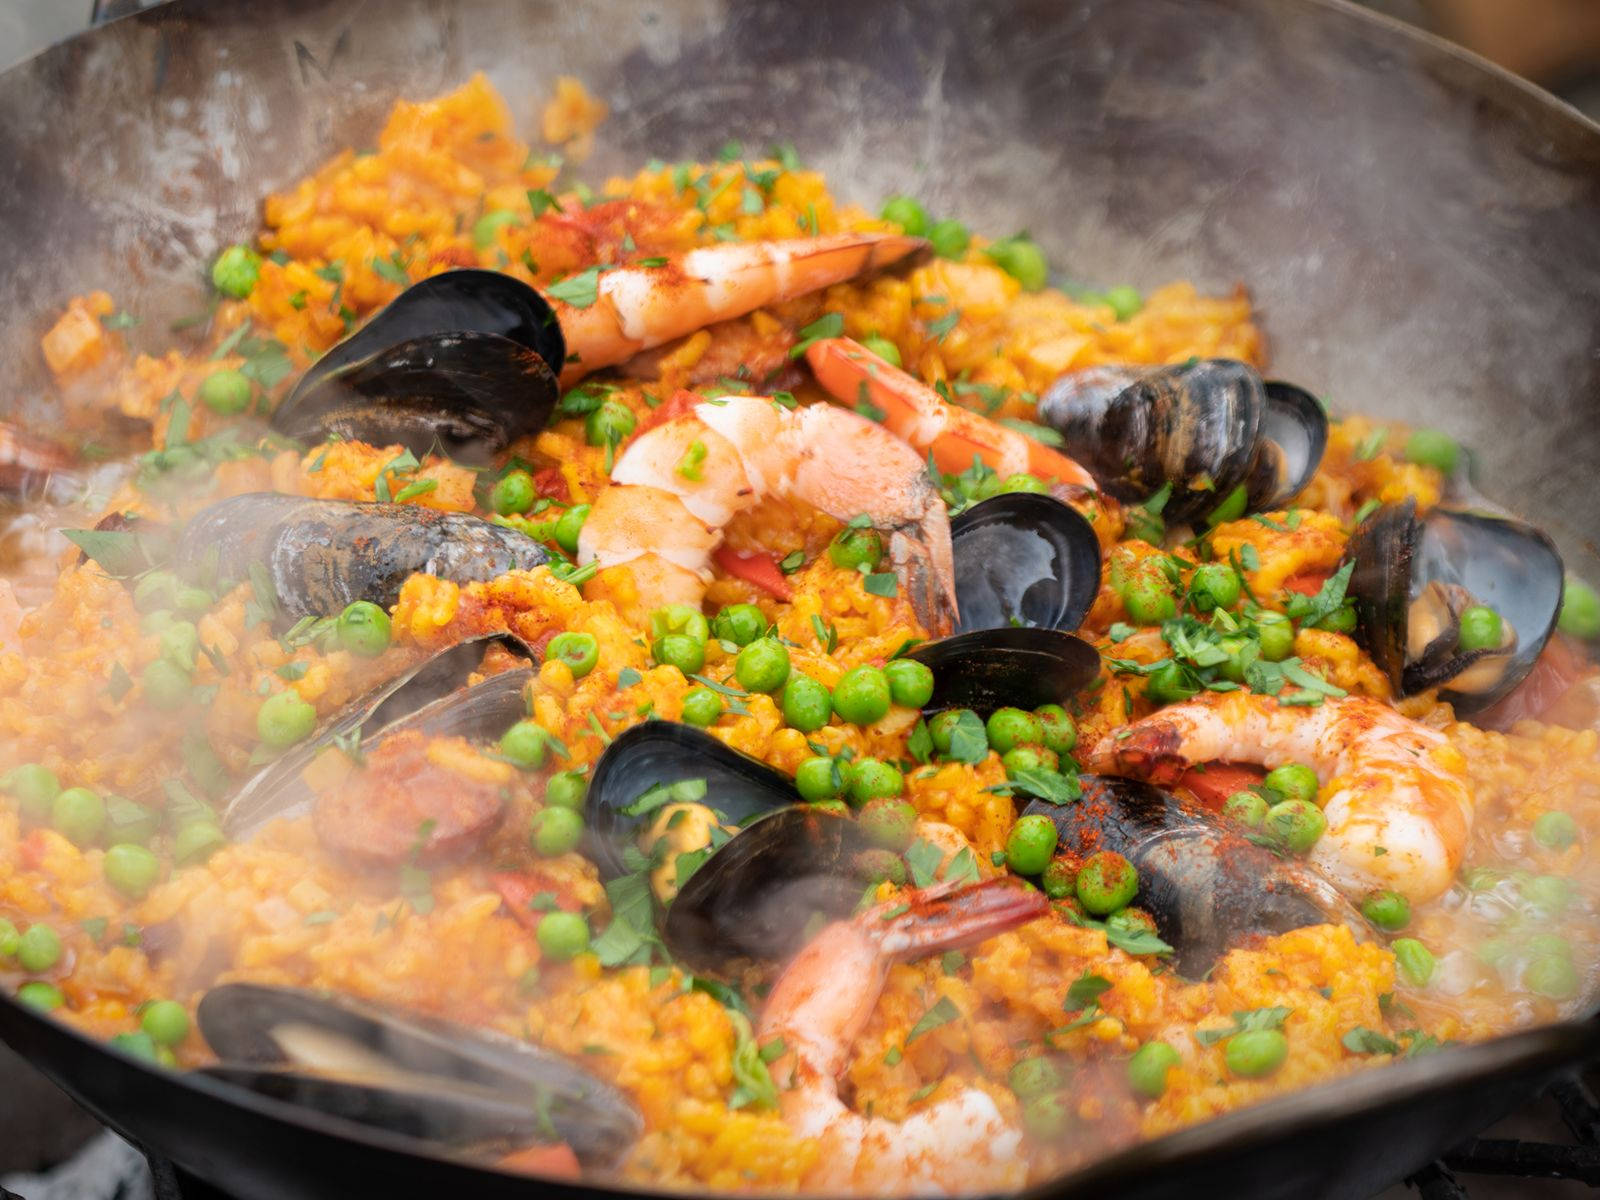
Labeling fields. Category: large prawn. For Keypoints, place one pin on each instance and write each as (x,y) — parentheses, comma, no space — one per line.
(1394,792)
(960,1143)
(677,484)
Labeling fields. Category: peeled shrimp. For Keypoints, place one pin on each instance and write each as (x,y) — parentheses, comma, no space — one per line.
(916,413)
(677,484)
(1394,792)
(819,1005)
(638,307)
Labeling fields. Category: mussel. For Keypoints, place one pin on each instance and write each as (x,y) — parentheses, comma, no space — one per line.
(770,868)
(320,555)
(1206,427)
(465,362)
(1412,577)
(1024,559)
(469,1089)
(1207,886)
(429,698)
(1009,665)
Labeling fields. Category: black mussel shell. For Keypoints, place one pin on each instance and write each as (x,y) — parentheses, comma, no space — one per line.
(1294,435)
(1207,886)
(993,668)
(758,896)
(739,787)
(320,555)
(1412,576)
(432,696)
(1024,559)
(467,360)
(399,1057)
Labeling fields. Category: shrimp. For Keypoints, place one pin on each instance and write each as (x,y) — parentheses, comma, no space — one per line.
(638,307)
(818,1007)
(913,411)
(678,483)
(1394,792)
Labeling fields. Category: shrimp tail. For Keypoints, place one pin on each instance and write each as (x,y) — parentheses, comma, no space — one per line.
(1152,750)
(953,915)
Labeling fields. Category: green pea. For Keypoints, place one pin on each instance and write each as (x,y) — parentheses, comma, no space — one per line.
(681,651)
(38,949)
(156,621)
(1031,844)
(1496,952)
(1021,258)
(905,212)
(701,706)
(889,823)
(556,831)
(1256,1053)
(37,994)
(235,272)
(883,348)
(1433,448)
(1480,629)
(806,704)
(166,685)
(740,624)
(284,719)
(910,682)
(78,815)
(1247,808)
(949,238)
(155,590)
(1388,910)
(1231,508)
(1277,635)
(1213,586)
(1131,921)
(570,525)
(197,841)
(180,644)
(1414,960)
(1048,1117)
(1059,731)
(1241,651)
(1555,830)
(763,666)
(1551,977)
(1296,825)
(512,493)
(131,869)
(1009,727)
(1030,1077)
(871,778)
(363,629)
(1148,598)
(10,938)
(166,1021)
(35,787)
(193,601)
(685,619)
(1059,879)
(562,935)
(1147,1069)
(226,392)
(1548,894)
(1169,684)
(1580,610)
(1482,879)
(1027,758)
(486,227)
(1106,882)
(820,778)
(862,695)
(580,651)
(525,744)
(856,549)
(944,724)
(1549,945)
(1341,620)
(566,789)
(1023,483)
(873,865)
(1125,301)
(1293,781)
(609,424)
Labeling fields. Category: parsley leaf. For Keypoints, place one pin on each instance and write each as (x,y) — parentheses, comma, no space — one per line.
(942,1013)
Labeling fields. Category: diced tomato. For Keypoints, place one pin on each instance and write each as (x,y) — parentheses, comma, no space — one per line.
(1561,665)
(679,404)
(1307,583)
(760,570)
(556,1162)
(1213,784)
(517,888)
(550,482)
(32,850)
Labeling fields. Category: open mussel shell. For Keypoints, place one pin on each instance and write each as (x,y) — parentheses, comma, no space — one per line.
(992,668)
(432,697)
(1412,577)
(466,360)
(321,555)
(411,1074)
(1208,887)
(1024,559)
(1204,427)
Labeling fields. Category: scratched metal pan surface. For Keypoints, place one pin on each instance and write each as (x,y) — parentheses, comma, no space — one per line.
(1420,232)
